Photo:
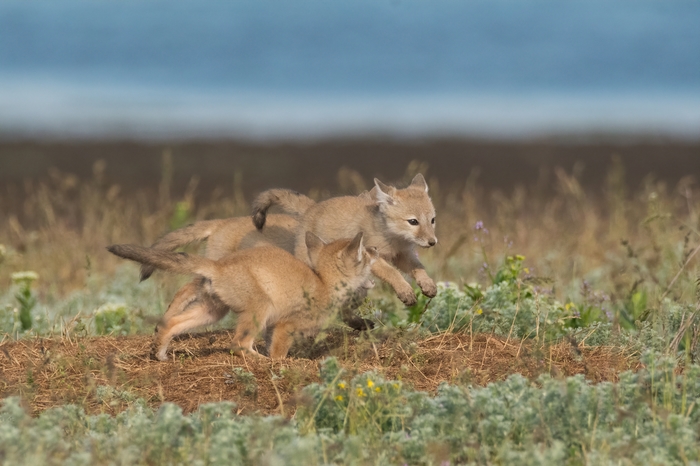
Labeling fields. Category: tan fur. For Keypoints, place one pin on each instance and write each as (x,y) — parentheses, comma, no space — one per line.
(225,236)
(383,215)
(228,235)
(291,201)
(266,286)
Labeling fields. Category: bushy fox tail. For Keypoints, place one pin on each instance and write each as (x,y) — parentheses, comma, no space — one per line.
(198,231)
(178,262)
(290,201)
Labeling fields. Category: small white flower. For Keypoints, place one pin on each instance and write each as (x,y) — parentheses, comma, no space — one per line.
(24,277)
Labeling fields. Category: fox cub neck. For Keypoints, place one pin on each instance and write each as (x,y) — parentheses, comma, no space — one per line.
(343,266)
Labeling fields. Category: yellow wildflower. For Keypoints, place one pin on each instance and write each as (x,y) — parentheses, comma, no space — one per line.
(479,311)
(396,386)
(341,385)
(360,392)
(378,389)
(520,258)
(370,384)
(526,270)
(339,398)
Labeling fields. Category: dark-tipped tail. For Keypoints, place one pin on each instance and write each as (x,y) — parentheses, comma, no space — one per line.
(178,262)
(290,201)
(198,231)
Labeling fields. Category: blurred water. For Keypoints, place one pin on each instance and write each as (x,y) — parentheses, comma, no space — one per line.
(266,69)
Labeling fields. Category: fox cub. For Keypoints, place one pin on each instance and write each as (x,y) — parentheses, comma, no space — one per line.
(394,222)
(266,286)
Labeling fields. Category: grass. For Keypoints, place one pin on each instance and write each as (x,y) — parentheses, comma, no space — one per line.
(572,291)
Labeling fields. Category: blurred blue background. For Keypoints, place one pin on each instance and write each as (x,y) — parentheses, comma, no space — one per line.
(302,69)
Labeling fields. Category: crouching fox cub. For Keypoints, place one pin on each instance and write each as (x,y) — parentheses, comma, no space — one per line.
(266,286)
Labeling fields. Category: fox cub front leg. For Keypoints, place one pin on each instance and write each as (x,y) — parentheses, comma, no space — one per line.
(425,283)
(388,273)
(408,262)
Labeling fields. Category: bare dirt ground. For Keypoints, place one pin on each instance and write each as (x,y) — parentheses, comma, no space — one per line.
(47,372)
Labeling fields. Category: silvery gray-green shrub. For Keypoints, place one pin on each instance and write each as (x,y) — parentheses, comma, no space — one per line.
(648,417)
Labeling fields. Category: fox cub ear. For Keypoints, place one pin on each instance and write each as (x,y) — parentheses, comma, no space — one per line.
(419,182)
(384,194)
(355,248)
(314,245)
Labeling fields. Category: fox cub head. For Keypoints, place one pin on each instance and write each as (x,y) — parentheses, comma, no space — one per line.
(344,264)
(409,212)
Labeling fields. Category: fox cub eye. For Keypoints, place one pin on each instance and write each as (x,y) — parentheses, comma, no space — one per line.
(433,221)
(413,221)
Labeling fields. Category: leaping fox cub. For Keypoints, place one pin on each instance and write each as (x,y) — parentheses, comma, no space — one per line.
(266,286)
(394,222)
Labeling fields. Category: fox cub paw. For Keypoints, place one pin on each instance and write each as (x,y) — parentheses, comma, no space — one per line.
(428,287)
(159,353)
(408,297)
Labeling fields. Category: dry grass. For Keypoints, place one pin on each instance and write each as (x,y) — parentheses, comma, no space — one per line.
(59,226)
(51,372)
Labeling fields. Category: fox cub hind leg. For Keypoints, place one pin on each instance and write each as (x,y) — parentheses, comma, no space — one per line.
(248,326)
(186,313)
(205,310)
(281,339)
(185,296)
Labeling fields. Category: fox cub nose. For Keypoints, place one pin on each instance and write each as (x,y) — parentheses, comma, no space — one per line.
(432,242)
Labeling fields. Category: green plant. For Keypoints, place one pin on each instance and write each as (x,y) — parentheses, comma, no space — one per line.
(112,318)
(513,306)
(24,296)
(365,404)
(510,271)
(182,214)
(240,376)
(112,396)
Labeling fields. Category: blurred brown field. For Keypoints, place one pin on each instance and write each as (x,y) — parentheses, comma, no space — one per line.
(315,165)
(606,213)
